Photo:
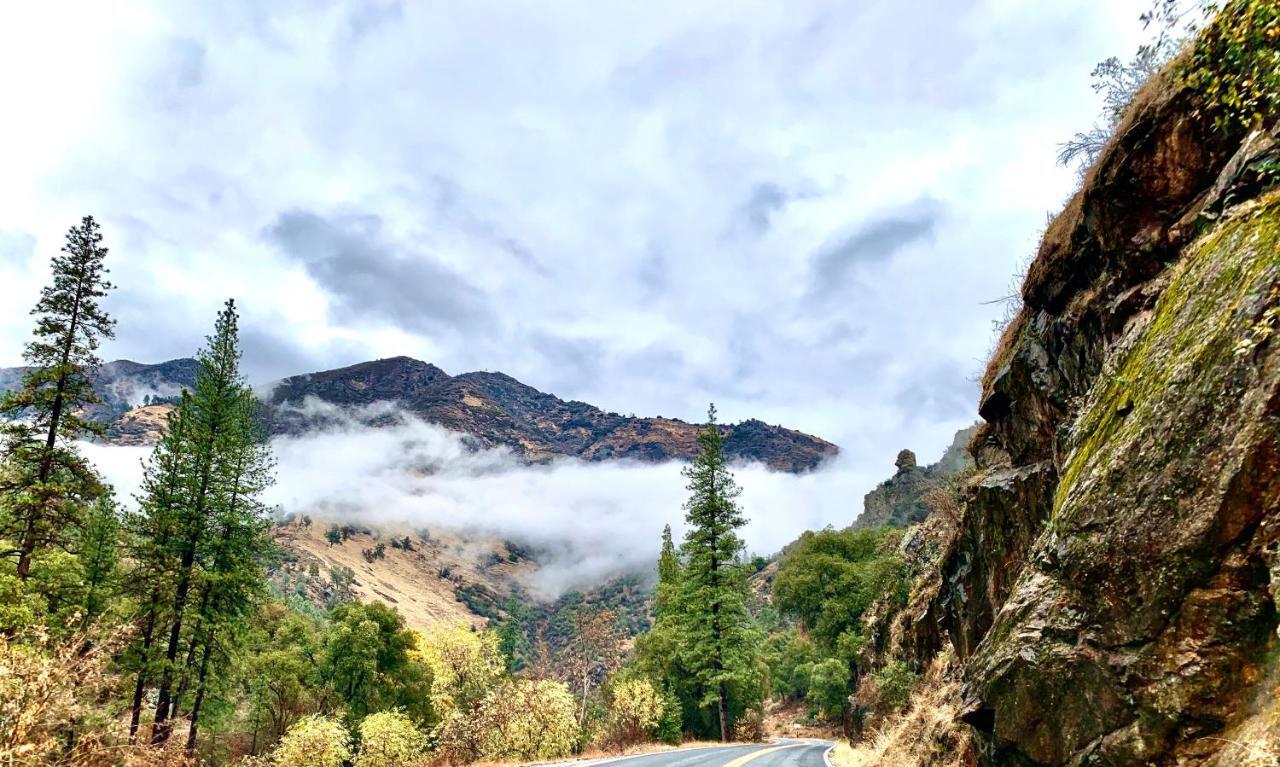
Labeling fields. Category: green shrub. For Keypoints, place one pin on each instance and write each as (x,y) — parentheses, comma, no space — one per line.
(829,687)
(894,682)
(389,739)
(1235,64)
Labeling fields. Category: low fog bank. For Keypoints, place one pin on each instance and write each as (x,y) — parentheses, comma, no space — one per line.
(587,521)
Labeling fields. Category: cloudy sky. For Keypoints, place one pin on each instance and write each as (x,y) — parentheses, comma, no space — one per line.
(795,209)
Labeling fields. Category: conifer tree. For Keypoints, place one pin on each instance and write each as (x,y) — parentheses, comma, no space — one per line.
(659,651)
(668,577)
(97,548)
(152,530)
(717,632)
(48,484)
(202,535)
(232,581)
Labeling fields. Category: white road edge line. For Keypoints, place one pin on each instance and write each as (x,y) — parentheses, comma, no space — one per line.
(616,759)
(826,756)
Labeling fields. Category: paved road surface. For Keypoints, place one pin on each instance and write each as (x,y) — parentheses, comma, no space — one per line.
(784,753)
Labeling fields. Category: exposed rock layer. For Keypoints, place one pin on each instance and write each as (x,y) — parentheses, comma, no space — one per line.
(1112,587)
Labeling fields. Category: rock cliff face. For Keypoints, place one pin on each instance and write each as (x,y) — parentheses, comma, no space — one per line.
(900,500)
(1111,590)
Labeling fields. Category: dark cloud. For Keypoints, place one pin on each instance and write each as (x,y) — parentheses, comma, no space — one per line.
(765,200)
(270,356)
(369,278)
(451,204)
(16,247)
(876,241)
(151,327)
(937,393)
(367,17)
(571,361)
(269,352)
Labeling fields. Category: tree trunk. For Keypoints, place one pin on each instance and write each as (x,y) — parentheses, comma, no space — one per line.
(28,545)
(189,663)
(716,633)
(148,634)
(162,727)
(199,701)
(724,713)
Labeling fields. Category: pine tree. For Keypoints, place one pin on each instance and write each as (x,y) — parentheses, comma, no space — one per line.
(97,547)
(201,535)
(48,484)
(668,577)
(153,529)
(233,580)
(719,639)
(658,652)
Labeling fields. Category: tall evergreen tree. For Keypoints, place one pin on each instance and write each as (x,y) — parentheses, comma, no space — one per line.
(97,547)
(201,535)
(232,580)
(719,638)
(153,529)
(48,484)
(658,652)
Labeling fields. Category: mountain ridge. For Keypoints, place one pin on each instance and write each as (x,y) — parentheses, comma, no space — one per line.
(494,409)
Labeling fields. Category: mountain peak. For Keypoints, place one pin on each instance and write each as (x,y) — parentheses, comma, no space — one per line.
(494,408)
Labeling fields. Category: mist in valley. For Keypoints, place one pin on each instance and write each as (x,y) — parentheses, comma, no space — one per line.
(584,521)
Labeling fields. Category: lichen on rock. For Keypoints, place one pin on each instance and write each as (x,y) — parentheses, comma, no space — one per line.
(1141,614)
(1111,587)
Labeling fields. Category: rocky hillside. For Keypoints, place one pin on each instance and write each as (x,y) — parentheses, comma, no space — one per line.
(496,409)
(124,385)
(443,575)
(900,500)
(1110,589)
(428,576)
(493,408)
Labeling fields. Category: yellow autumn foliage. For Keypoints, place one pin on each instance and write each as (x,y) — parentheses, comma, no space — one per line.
(634,713)
(522,720)
(389,739)
(314,741)
(465,665)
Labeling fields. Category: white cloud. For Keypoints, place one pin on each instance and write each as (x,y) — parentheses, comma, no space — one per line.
(586,169)
(586,520)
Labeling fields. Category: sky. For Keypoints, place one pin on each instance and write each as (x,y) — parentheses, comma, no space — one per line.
(801,211)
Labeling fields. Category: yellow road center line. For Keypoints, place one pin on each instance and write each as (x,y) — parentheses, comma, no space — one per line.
(757,754)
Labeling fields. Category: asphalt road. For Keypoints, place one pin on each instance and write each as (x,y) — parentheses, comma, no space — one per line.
(783,753)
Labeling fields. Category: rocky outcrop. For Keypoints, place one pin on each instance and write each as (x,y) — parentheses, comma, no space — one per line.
(140,426)
(1112,587)
(900,500)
